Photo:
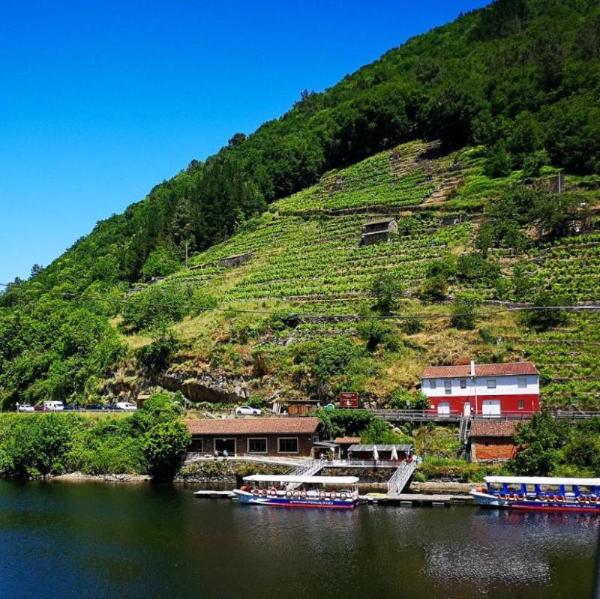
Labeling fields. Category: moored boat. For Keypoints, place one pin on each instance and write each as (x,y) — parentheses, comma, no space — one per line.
(540,493)
(331,492)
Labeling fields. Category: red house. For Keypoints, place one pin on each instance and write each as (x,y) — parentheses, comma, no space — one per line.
(482,389)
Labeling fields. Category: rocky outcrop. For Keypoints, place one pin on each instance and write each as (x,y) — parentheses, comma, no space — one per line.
(210,387)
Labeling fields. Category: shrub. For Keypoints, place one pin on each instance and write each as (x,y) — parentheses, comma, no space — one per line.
(376,332)
(412,326)
(544,319)
(387,288)
(464,311)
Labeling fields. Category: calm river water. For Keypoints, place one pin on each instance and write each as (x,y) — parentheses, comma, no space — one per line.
(95,540)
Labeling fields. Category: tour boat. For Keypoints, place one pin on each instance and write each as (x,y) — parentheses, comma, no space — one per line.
(332,492)
(540,493)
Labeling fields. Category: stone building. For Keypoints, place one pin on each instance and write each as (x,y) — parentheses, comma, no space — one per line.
(492,440)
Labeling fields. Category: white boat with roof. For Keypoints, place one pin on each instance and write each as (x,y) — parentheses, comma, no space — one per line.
(540,493)
(331,492)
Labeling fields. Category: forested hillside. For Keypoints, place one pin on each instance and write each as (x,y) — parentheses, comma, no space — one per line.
(517,82)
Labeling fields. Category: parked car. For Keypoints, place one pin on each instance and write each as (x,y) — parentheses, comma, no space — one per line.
(248,411)
(25,407)
(53,406)
(127,406)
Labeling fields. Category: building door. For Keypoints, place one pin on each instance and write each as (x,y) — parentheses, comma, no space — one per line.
(225,444)
(467,408)
(490,407)
(443,408)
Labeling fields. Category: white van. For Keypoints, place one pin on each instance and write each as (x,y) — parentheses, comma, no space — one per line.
(53,406)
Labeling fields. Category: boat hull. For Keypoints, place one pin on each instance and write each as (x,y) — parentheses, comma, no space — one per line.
(294,502)
(494,501)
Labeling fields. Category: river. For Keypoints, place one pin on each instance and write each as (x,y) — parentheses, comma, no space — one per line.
(98,540)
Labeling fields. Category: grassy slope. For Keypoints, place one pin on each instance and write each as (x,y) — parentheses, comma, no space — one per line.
(307,261)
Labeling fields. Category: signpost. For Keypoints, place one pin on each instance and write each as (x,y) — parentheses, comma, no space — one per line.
(348,399)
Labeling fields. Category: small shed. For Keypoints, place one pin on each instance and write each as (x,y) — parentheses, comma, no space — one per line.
(236,260)
(378,230)
(492,440)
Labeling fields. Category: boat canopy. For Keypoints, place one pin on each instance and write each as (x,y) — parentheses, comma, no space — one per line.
(290,478)
(542,480)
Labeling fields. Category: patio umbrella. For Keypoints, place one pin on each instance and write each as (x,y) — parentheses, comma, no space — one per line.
(394,454)
(375,453)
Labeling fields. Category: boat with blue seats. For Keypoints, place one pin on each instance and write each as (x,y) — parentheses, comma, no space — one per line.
(540,493)
(330,492)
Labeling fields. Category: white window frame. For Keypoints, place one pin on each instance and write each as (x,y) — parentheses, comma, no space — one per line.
(491,383)
(463,383)
(521,404)
(280,439)
(522,382)
(265,439)
(448,386)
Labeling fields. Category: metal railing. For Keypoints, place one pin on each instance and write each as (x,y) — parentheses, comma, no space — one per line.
(457,416)
(400,478)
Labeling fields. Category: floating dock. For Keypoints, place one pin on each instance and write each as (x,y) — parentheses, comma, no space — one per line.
(416,499)
(214,494)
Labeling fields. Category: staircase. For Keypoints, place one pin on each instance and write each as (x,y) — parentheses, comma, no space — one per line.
(463,431)
(400,478)
(311,468)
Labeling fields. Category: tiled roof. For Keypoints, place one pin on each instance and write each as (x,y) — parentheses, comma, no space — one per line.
(463,370)
(493,428)
(252,426)
(347,440)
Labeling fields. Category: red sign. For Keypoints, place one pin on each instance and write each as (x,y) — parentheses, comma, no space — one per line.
(348,399)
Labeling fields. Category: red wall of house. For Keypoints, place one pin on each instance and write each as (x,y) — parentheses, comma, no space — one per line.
(508,403)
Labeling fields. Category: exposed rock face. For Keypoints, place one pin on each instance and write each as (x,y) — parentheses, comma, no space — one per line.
(209,387)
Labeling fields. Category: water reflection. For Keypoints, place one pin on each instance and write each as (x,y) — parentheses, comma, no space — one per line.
(103,541)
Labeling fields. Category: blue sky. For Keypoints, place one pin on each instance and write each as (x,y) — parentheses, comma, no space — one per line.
(102,99)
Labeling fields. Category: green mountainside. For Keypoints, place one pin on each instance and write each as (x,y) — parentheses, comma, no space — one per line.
(458,135)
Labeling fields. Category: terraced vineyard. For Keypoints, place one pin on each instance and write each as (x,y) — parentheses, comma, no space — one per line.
(307,260)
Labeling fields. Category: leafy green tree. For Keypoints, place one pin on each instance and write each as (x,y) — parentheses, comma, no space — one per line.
(539,443)
(165,445)
(161,262)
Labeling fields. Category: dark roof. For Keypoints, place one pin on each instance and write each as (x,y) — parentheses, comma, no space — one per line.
(381,221)
(252,426)
(463,370)
(493,428)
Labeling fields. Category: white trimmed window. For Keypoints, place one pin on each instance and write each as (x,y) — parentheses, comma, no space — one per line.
(463,383)
(257,445)
(521,404)
(522,382)
(448,386)
(287,444)
(491,383)
(432,383)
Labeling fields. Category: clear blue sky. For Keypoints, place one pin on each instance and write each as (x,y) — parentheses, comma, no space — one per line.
(102,99)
